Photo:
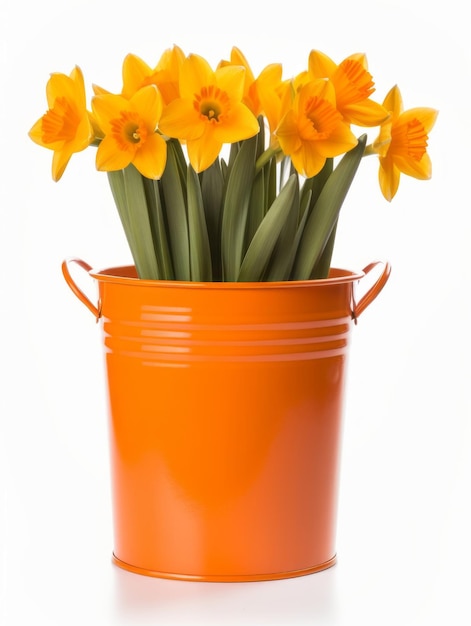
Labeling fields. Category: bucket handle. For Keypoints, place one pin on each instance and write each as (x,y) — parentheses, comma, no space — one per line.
(73,285)
(374,290)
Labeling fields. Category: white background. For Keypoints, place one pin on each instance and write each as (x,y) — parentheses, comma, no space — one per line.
(404,543)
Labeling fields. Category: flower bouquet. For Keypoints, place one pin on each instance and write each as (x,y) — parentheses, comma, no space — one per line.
(219,175)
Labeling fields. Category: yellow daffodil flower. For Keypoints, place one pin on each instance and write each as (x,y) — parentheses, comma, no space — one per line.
(250,97)
(275,96)
(402,143)
(263,95)
(67,127)
(353,87)
(130,132)
(137,74)
(269,79)
(165,75)
(313,130)
(209,111)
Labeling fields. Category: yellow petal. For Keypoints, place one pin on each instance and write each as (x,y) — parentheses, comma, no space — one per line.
(317,88)
(393,102)
(308,162)
(167,73)
(231,80)
(96,129)
(36,134)
(381,144)
(359,57)
(195,73)
(135,71)
(109,158)
(72,88)
(108,107)
(340,140)
(242,125)
(99,91)
(267,86)
(365,113)
(417,169)
(84,135)
(171,60)
(287,133)
(179,119)
(148,103)
(389,176)
(203,152)
(238,58)
(426,116)
(76,76)
(60,160)
(150,160)
(320,65)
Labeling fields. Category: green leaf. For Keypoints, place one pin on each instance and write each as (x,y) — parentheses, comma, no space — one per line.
(212,185)
(315,184)
(159,229)
(285,170)
(256,211)
(325,213)
(233,152)
(200,253)
(322,267)
(176,147)
(127,187)
(174,195)
(305,200)
(282,258)
(260,137)
(263,243)
(236,203)
(271,183)
(140,224)
(118,190)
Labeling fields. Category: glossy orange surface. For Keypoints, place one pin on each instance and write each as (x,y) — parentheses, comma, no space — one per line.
(225,406)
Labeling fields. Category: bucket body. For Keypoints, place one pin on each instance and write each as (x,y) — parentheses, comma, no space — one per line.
(225,408)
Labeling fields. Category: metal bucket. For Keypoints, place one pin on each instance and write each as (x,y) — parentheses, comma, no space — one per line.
(225,407)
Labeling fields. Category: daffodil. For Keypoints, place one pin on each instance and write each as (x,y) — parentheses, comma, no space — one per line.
(353,87)
(130,133)
(263,95)
(402,143)
(165,75)
(209,111)
(67,127)
(273,93)
(313,130)
(137,74)
(250,97)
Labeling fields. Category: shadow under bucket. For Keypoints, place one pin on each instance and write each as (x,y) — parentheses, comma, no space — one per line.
(225,408)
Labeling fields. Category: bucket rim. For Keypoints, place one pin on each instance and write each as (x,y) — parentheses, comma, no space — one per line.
(126,275)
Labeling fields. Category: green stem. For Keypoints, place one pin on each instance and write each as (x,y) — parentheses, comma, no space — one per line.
(375,151)
(265,157)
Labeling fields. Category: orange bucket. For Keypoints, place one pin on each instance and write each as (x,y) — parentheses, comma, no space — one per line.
(225,405)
